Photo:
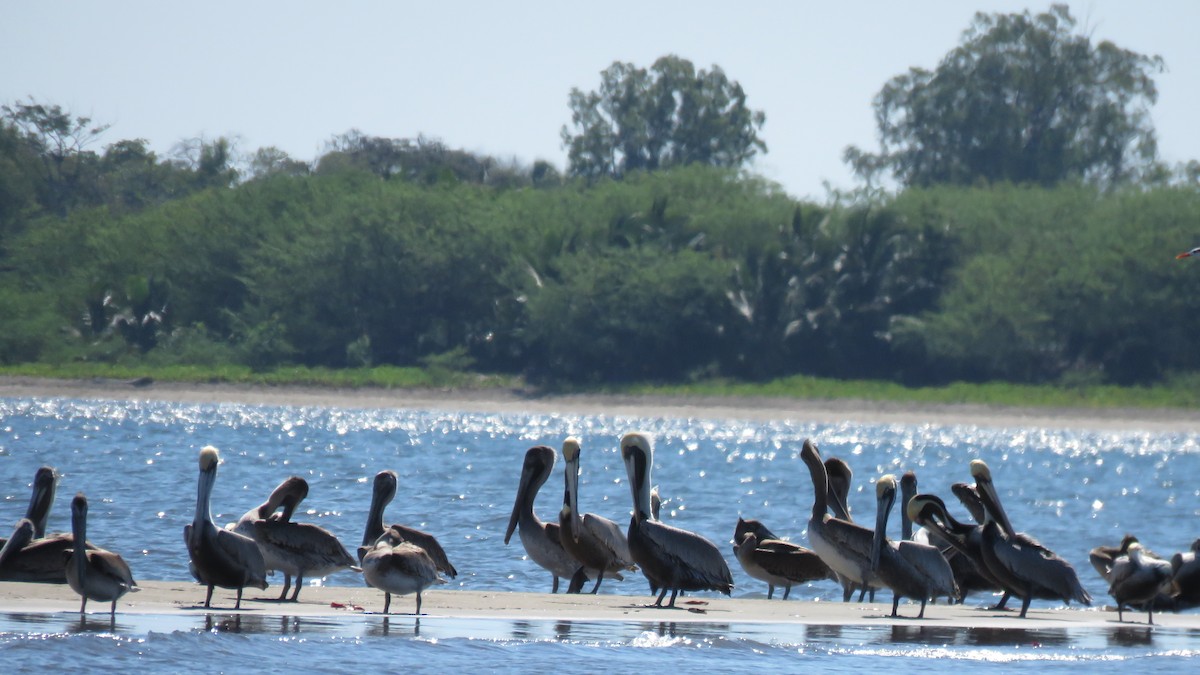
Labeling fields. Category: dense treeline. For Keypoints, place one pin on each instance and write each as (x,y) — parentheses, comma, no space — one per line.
(1031,241)
(690,272)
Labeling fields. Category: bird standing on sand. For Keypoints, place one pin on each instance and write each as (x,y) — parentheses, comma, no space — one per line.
(220,557)
(95,574)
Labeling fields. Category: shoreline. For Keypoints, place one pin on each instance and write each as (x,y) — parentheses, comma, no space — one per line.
(507,401)
(183,599)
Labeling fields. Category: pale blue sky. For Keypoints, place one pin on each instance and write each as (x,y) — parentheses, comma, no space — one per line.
(494,77)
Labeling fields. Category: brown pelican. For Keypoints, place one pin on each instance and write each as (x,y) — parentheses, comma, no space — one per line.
(1019,562)
(542,541)
(1138,579)
(41,499)
(95,574)
(671,559)
(840,477)
(1185,576)
(844,545)
(296,549)
(220,557)
(910,569)
(779,563)
(382,494)
(394,565)
(596,542)
(29,555)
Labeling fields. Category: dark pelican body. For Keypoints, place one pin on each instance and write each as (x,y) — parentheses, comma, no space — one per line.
(779,563)
(843,545)
(382,494)
(1019,562)
(542,541)
(95,574)
(399,567)
(595,542)
(1185,577)
(671,559)
(220,557)
(910,569)
(296,549)
(29,555)
(1138,579)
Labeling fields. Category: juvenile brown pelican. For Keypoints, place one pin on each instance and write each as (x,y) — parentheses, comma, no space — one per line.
(542,541)
(910,569)
(295,549)
(750,525)
(1185,576)
(1019,562)
(595,542)
(670,558)
(95,574)
(220,557)
(382,494)
(1138,579)
(843,545)
(396,566)
(779,563)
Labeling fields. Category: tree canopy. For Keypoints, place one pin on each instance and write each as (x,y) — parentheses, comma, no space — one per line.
(669,115)
(1024,99)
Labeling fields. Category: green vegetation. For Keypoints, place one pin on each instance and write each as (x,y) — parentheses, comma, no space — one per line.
(655,260)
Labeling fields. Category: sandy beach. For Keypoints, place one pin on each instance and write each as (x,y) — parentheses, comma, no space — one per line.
(185,597)
(505,401)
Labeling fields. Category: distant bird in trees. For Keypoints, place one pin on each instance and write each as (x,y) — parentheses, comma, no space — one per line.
(1188,254)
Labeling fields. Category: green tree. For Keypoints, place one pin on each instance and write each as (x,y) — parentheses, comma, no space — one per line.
(59,142)
(1024,99)
(669,115)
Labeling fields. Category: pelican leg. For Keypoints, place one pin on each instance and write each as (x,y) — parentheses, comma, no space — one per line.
(83,605)
(239,599)
(296,590)
(599,577)
(674,593)
(1025,604)
(1150,613)
(418,603)
(922,614)
(208,598)
(577,581)
(787,590)
(387,601)
(847,591)
(1003,601)
(554,589)
(895,605)
(770,591)
(112,611)
(287,584)
(663,594)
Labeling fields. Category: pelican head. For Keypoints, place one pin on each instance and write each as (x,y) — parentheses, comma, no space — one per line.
(288,494)
(638,453)
(987,493)
(570,449)
(79,505)
(539,462)
(209,458)
(980,471)
(385,485)
(44,483)
(885,496)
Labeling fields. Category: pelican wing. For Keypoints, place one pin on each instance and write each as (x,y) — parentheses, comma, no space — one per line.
(243,553)
(699,562)
(607,533)
(312,543)
(432,547)
(112,565)
(929,562)
(790,561)
(1028,559)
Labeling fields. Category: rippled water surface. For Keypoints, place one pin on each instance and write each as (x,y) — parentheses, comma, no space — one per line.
(458,475)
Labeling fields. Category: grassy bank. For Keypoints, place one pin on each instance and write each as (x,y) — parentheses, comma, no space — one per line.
(1179,392)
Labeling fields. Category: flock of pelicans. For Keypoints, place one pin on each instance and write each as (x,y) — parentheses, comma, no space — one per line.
(944,558)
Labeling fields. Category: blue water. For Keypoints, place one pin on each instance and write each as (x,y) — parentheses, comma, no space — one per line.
(458,475)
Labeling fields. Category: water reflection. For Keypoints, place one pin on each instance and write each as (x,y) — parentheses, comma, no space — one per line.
(106,623)
(386,629)
(1131,636)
